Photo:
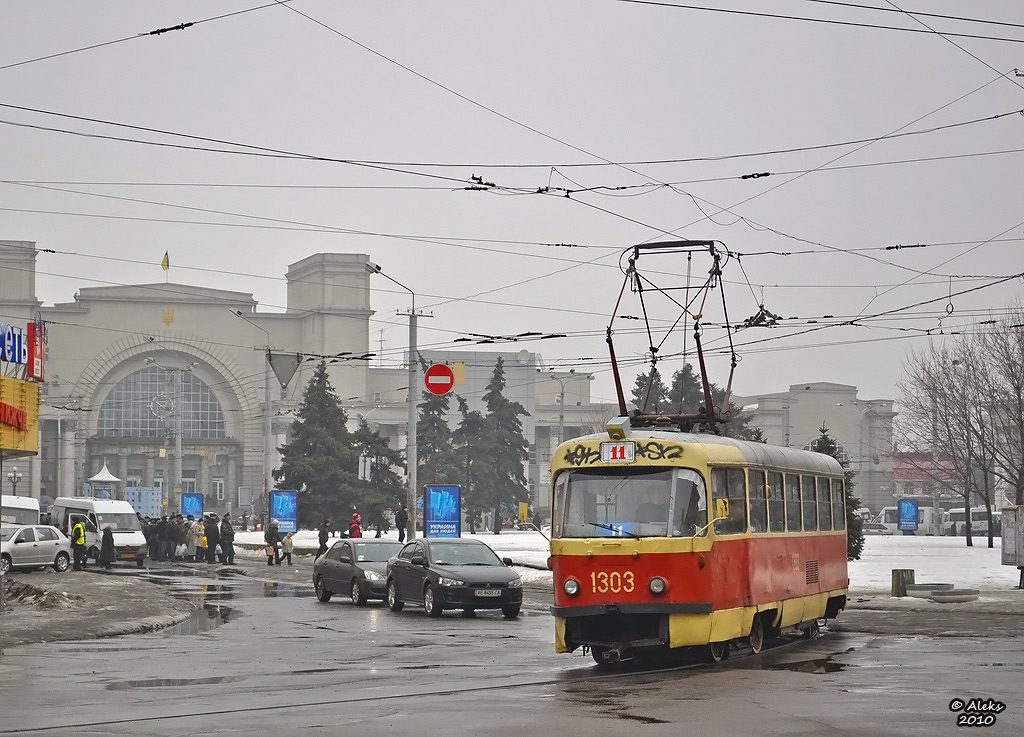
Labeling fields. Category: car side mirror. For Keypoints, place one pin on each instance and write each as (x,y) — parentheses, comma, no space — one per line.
(507,561)
(419,560)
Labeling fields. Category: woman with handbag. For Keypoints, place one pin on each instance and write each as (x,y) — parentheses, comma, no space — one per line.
(272,537)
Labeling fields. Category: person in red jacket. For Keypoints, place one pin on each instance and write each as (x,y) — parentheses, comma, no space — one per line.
(354,530)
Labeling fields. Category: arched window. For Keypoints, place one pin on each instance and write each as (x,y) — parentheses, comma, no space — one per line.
(141,405)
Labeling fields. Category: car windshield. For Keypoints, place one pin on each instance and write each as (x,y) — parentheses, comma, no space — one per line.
(119,522)
(644,502)
(450,554)
(376,552)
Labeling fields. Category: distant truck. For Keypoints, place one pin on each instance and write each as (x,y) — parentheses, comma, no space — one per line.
(19,510)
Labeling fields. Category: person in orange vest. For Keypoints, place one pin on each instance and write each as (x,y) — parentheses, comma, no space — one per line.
(78,545)
(354,530)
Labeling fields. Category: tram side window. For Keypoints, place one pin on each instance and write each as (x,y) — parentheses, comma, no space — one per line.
(838,505)
(758,502)
(730,484)
(810,503)
(824,505)
(691,505)
(793,503)
(776,503)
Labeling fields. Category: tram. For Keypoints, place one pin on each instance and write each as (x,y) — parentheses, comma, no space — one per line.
(668,539)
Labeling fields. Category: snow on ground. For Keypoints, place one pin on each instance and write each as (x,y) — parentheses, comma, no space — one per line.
(933,559)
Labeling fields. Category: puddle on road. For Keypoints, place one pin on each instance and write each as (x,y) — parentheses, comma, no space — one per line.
(165,682)
(817,666)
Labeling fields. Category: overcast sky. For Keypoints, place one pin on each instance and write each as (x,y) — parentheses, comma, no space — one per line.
(555,110)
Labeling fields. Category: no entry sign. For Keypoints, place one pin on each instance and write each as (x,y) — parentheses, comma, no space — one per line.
(440,379)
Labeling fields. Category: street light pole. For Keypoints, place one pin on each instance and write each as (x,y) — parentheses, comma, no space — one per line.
(410,447)
(14,476)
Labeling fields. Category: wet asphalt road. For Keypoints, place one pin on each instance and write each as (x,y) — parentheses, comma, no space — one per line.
(265,657)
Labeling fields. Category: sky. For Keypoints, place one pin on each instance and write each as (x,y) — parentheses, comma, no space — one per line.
(499,160)
(933,559)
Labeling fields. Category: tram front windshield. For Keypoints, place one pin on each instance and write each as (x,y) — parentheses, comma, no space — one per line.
(635,502)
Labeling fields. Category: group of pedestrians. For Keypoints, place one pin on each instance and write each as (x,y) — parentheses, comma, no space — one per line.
(279,547)
(189,539)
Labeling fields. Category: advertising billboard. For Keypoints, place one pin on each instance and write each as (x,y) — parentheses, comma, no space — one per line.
(907,515)
(284,507)
(192,504)
(443,514)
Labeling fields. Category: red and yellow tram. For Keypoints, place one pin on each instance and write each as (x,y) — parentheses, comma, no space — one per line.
(668,539)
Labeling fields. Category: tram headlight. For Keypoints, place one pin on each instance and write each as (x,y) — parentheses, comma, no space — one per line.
(657,586)
(571,586)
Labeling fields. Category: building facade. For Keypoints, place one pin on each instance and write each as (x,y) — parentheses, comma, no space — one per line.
(861,427)
(169,385)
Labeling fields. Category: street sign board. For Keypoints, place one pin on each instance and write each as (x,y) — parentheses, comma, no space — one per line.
(439,379)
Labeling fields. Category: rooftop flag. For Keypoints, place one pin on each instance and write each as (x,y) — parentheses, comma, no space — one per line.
(166,263)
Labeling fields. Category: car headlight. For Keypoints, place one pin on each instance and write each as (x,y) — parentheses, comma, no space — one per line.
(372,576)
(515,583)
(445,581)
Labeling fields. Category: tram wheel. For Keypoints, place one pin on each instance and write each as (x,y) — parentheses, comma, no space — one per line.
(811,630)
(757,635)
(597,653)
(716,652)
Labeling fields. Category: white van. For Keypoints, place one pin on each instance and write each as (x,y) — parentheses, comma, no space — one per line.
(96,514)
(956,521)
(19,510)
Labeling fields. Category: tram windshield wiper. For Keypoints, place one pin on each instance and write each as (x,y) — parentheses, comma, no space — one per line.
(613,528)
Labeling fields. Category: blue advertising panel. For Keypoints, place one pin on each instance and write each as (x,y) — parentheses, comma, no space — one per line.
(908,515)
(443,515)
(284,507)
(192,504)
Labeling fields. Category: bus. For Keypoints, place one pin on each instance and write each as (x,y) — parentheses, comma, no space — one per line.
(664,539)
(19,510)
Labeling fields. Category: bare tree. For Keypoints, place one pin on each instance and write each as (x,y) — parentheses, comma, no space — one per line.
(942,418)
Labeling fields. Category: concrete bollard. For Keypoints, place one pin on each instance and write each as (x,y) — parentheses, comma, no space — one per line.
(900,578)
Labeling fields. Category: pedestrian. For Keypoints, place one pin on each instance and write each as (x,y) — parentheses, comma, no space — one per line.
(78,544)
(323,537)
(354,530)
(272,537)
(245,521)
(211,530)
(227,540)
(194,537)
(401,520)
(287,546)
(107,553)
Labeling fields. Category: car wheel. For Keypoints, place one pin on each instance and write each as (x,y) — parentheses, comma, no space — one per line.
(5,563)
(139,563)
(322,592)
(431,606)
(510,611)
(394,603)
(94,553)
(357,594)
(61,562)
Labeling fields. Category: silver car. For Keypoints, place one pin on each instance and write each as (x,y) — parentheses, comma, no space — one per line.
(33,546)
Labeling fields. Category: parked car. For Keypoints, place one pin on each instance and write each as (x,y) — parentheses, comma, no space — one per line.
(453,573)
(875,528)
(357,566)
(33,546)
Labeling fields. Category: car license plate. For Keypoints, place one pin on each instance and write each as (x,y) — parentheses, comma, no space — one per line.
(128,555)
(488,592)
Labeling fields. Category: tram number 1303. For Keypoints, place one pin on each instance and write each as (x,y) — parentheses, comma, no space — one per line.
(615,582)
